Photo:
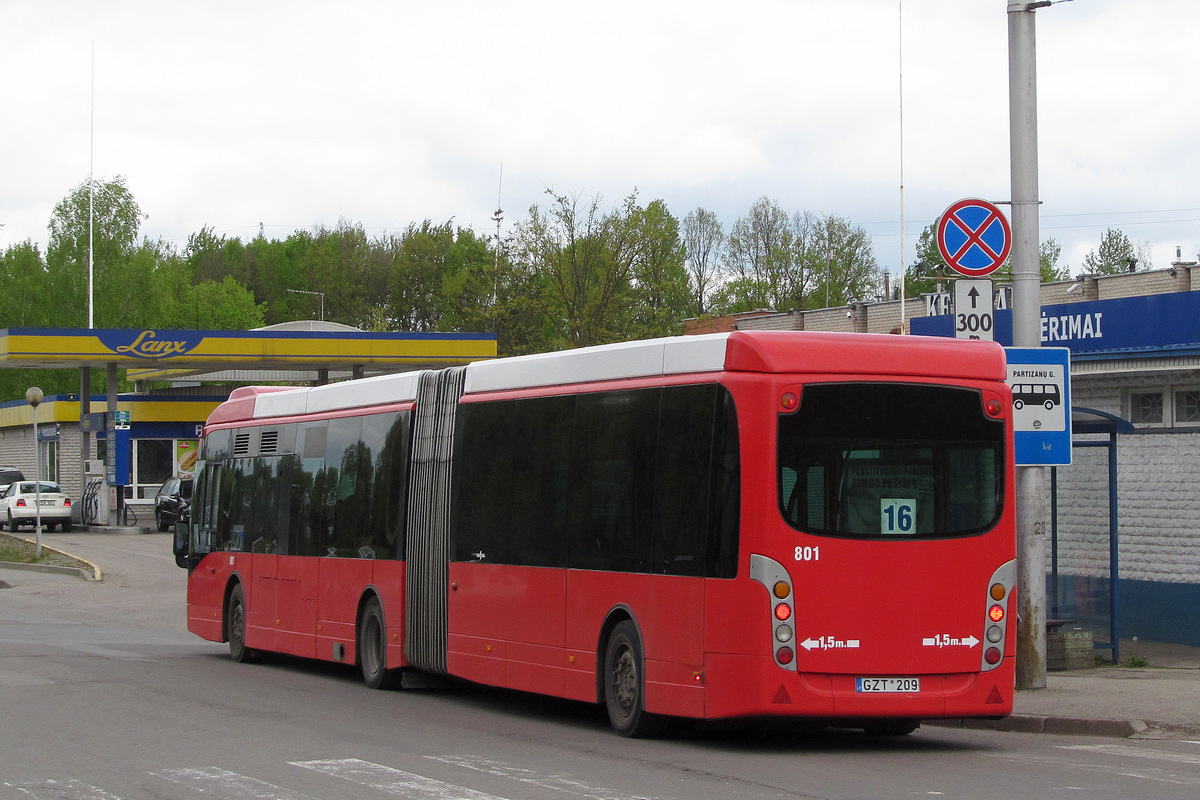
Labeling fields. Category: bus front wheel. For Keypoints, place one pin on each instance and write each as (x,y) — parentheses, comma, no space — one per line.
(624,685)
(235,625)
(372,647)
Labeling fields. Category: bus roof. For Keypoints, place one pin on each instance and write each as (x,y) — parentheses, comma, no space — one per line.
(746,351)
(740,351)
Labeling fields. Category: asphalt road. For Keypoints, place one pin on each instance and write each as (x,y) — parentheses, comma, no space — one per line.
(104,695)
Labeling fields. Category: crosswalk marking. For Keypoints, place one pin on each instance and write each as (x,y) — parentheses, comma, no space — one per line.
(229,784)
(217,782)
(394,781)
(61,790)
(500,769)
(1135,752)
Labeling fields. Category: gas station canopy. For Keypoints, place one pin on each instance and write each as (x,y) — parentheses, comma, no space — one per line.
(172,354)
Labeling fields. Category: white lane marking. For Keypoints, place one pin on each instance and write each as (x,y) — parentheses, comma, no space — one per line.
(1149,774)
(10,677)
(224,783)
(1134,752)
(107,652)
(393,781)
(563,783)
(62,790)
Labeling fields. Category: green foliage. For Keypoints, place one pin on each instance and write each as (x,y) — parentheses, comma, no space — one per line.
(803,261)
(1048,254)
(602,277)
(114,220)
(1115,255)
(703,239)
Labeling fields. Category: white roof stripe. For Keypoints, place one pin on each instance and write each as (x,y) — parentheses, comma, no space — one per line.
(376,390)
(669,356)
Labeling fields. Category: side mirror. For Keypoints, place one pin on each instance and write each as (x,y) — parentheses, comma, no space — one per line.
(180,545)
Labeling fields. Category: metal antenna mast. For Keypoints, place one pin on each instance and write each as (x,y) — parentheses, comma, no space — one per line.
(497,217)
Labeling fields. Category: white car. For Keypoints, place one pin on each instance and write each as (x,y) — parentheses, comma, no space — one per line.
(23,500)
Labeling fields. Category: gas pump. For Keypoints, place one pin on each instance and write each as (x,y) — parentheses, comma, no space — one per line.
(116,467)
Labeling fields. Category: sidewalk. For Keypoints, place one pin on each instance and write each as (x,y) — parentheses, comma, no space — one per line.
(1157,701)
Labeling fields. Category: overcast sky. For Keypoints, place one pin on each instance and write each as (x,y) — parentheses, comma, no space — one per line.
(295,114)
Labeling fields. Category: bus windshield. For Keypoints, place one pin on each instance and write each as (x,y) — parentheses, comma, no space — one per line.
(890,460)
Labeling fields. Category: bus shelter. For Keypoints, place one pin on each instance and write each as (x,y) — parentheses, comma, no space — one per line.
(1064,601)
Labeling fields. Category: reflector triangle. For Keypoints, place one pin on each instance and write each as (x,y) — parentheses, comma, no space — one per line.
(782,697)
(994,698)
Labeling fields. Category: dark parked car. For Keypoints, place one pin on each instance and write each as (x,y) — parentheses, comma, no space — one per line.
(172,502)
(9,475)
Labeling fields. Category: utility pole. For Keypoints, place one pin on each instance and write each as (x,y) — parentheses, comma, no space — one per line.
(1027,304)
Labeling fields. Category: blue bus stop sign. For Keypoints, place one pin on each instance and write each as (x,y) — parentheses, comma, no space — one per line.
(1040,379)
(973,237)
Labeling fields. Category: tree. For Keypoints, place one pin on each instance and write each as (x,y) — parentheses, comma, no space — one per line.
(1115,255)
(803,261)
(117,220)
(1048,254)
(759,259)
(703,239)
(661,293)
(839,257)
(226,305)
(587,263)
(24,275)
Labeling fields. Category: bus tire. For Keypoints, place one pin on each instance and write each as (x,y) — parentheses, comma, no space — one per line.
(235,626)
(372,647)
(624,685)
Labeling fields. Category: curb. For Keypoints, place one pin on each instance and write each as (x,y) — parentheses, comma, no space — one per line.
(92,573)
(1063,726)
(55,570)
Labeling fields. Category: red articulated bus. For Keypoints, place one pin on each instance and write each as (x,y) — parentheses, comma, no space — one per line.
(752,524)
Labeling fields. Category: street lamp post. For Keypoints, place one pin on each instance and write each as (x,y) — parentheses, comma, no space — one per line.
(34,395)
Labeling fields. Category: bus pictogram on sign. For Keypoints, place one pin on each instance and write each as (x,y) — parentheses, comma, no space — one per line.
(973,237)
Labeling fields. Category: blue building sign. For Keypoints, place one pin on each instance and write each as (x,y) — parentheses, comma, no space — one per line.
(1151,325)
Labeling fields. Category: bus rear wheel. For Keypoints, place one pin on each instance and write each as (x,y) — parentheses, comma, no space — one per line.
(624,685)
(372,647)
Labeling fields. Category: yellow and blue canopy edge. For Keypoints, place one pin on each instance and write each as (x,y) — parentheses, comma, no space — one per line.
(148,351)
(143,408)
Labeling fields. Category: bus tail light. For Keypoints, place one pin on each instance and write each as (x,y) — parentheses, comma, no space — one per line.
(995,620)
(780,607)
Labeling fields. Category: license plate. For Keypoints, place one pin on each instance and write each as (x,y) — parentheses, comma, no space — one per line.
(889,685)
(46,502)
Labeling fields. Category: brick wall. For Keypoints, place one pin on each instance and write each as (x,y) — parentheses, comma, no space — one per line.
(1158,493)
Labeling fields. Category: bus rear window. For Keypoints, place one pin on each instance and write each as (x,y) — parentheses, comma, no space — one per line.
(876,460)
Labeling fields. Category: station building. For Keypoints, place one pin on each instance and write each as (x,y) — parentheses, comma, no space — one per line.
(113,451)
(1134,342)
